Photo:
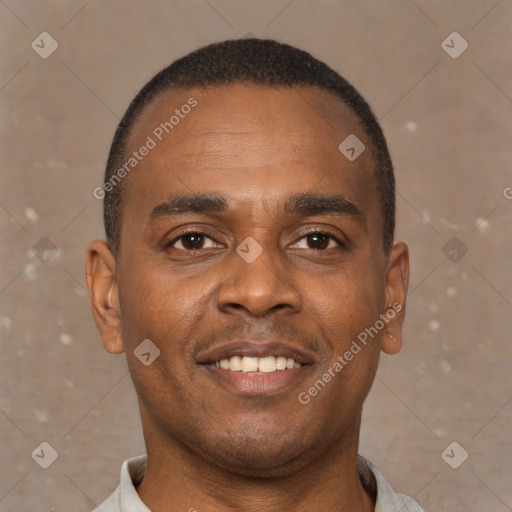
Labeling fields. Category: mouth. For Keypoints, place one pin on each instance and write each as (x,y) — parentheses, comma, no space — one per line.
(256,369)
(257,365)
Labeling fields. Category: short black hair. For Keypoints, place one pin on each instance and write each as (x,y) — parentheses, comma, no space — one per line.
(260,62)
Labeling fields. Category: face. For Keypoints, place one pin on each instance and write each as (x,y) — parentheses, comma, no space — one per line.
(249,239)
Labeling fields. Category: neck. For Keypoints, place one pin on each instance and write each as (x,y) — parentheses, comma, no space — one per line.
(178,479)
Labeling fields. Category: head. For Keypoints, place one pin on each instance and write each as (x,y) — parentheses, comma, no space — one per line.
(265,63)
(243,229)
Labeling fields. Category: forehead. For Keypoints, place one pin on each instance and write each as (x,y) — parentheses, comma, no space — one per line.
(248,109)
(247,141)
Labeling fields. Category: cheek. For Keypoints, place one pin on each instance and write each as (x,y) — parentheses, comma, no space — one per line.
(344,312)
(159,306)
(347,302)
(147,303)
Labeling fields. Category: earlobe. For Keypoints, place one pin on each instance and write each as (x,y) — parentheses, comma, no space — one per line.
(104,295)
(391,345)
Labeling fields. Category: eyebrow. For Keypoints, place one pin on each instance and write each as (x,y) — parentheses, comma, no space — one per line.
(304,204)
(197,203)
(314,204)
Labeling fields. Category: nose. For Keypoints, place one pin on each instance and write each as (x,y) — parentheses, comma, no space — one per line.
(258,287)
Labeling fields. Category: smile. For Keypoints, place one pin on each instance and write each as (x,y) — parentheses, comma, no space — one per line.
(250,368)
(258,365)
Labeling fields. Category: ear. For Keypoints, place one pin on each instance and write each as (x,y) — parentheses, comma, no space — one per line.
(101,280)
(397,282)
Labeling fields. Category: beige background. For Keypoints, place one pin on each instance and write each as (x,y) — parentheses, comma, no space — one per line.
(447,122)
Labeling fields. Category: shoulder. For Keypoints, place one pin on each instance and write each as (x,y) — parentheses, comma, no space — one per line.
(111,504)
(387,499)
(125,496)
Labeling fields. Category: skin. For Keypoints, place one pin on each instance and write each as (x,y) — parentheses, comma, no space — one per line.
(209,447)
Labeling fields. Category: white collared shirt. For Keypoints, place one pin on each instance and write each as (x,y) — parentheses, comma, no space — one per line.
(126,499)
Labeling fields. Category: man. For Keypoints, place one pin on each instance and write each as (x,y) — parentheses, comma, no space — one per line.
(251,278)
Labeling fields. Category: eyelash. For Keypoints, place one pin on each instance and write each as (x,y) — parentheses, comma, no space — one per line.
(324,232)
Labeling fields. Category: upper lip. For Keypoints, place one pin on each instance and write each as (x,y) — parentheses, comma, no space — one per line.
(253,349)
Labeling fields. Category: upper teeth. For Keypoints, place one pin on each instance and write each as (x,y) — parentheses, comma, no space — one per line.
(255,364)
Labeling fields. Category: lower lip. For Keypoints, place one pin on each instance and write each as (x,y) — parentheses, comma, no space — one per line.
(258,384)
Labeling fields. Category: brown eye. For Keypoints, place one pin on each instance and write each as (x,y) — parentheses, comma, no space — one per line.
(191,242)
(318,240)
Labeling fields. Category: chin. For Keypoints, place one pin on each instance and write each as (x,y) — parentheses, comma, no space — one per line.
(269,456)
(261,465)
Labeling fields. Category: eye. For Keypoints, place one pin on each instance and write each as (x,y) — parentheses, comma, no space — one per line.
(191,241)
(319,240)
(195,240)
